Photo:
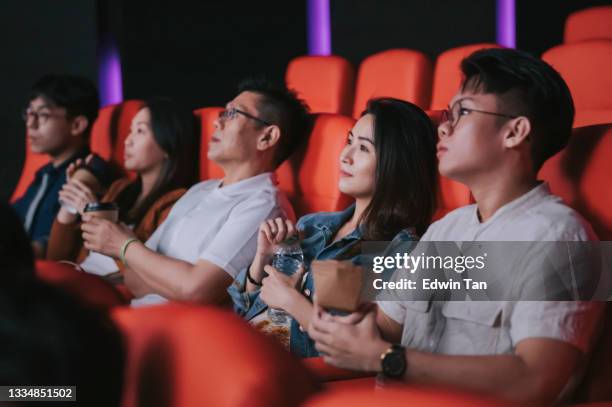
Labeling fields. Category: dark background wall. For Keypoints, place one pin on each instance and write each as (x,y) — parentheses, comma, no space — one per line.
(38,37)
(363,27)
(197,51)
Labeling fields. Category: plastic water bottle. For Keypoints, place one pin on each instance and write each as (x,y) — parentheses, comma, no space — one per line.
(287,258)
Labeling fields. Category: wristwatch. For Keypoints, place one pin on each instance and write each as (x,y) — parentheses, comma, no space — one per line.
(393,361)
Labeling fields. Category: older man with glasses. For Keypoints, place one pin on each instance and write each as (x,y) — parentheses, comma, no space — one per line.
(211,232)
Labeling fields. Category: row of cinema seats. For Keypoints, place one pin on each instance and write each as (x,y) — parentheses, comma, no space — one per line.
(329,83)
(326,82)
(181,355)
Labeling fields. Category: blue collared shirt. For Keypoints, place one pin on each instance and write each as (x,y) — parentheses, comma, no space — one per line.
(43,192)
(317,231)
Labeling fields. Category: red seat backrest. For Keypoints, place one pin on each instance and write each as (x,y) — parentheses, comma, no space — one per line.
(585,66)
(588,24)
(190,356)
(316,189)
(400,73)
(207,116)
(88,288)
(33,161)
(447,75)
(325,83)
(580,174)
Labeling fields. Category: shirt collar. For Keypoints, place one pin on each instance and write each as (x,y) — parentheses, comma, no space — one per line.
(522,203)
(333,221)
(248,185)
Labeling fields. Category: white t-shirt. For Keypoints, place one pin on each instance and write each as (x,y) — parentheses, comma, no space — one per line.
(495,327)
(219,225)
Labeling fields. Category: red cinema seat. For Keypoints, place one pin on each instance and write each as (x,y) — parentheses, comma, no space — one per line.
(400,73)
(364,395)
(325,83)
(32,163)
(585,66)
(447,75)
(207,116)
(90,289)
(596,384)
(589,24)
(580,174)
(315,188)
(190,356)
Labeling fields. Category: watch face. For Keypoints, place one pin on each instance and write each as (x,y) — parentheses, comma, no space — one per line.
(394,363)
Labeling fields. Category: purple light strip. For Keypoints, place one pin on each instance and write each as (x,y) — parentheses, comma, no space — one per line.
(506,23)
(109,74)
(319,27)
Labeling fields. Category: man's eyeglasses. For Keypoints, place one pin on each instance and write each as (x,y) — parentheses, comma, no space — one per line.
(455,113)
(232,112)
(40,117)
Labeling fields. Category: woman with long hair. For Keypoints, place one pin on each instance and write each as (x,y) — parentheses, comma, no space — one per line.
(389,167)
(161,149)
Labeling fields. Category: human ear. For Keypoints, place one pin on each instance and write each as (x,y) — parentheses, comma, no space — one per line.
(268,138)
(519,130)
(78,126)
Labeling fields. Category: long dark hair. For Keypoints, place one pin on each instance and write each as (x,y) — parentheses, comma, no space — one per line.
(406,170)
(173,131)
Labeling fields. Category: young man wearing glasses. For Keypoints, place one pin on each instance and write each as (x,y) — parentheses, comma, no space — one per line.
(59,117)
(211,232)
(511,114)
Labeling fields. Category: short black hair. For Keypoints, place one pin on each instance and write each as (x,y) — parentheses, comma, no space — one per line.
(526,86)
(49,338)
(281,106)
(76,94)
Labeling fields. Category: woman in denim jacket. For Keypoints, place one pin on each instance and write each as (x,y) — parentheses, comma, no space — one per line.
(388,166)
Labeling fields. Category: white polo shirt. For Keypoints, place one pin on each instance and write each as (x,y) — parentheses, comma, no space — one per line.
(218,224)
(495,327)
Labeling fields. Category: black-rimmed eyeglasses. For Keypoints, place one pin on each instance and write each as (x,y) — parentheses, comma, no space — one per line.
(232,112)
(457,111)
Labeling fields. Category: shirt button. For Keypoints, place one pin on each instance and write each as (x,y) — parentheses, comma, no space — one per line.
(307,292)
(301,329)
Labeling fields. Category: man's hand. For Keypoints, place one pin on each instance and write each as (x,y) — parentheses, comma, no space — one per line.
(103,236)
(349,342)
(279,290)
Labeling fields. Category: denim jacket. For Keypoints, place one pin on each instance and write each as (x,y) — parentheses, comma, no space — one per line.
(317,231)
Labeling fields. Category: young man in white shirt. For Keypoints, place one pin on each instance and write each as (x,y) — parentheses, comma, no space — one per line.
(511,114)
(211,232)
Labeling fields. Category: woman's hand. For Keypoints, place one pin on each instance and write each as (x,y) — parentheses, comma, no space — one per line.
(271,233)
(103,236)
(76,165)
(279,290)
(77,195)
